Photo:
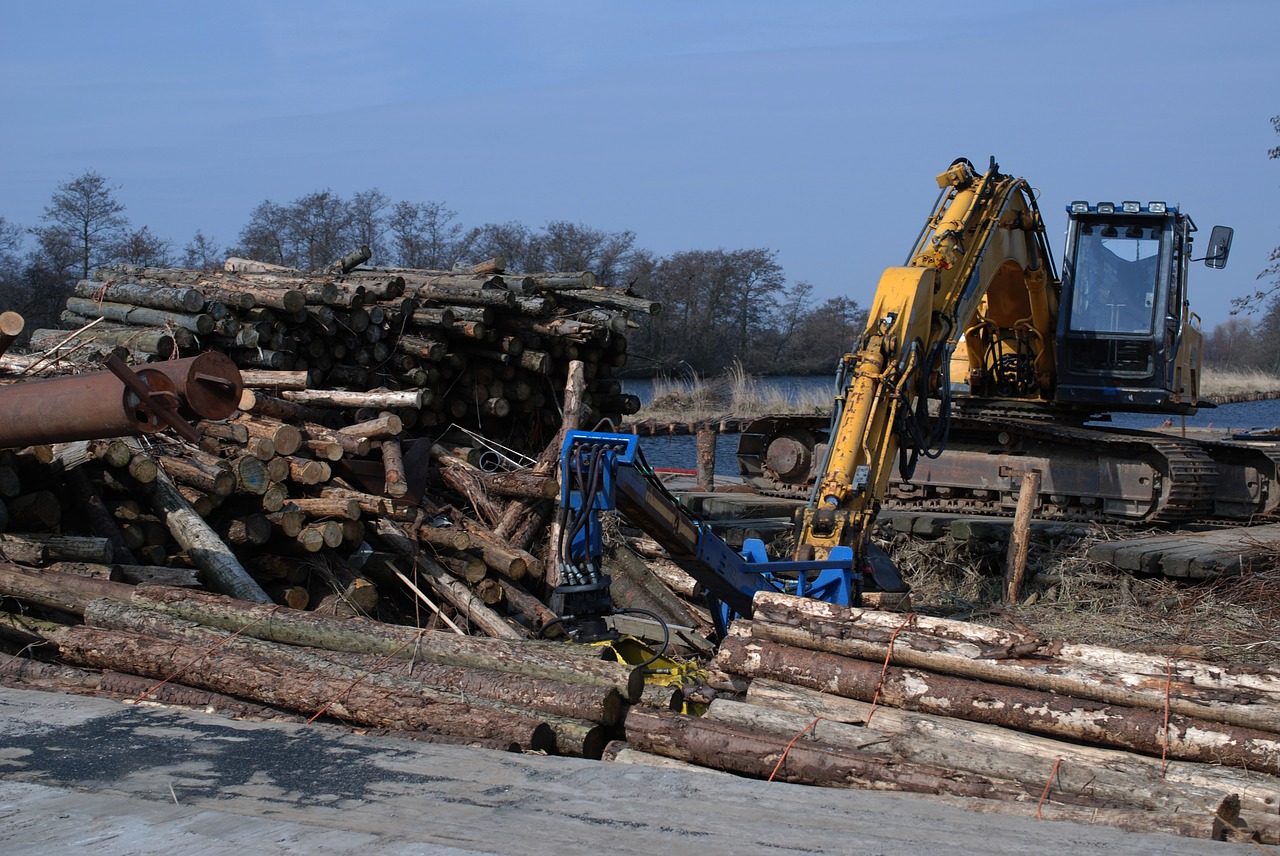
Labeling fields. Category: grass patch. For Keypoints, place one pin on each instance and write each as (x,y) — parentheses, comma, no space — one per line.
(734,392)
(1217,381)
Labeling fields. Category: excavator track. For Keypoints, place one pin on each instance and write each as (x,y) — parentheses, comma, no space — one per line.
(1087,473)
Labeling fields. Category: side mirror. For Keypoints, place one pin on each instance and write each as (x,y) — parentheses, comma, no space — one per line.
(1219,247)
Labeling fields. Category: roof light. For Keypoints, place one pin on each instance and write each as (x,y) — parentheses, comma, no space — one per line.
(1131,207)
(1079,207)
(1157,207)
(1106,208)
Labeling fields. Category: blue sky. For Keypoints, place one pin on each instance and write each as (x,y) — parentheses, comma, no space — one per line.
(811,128)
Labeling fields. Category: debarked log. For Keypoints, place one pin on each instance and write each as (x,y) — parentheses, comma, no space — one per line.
(1038,712)
(999,656)
(990,749)
(751,753)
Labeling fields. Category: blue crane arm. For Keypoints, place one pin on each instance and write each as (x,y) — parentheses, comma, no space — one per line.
(606,472)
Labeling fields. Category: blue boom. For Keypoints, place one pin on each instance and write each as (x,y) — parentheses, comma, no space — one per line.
(606,472)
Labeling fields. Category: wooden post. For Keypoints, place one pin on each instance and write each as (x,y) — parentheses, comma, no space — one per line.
(706,466)
(1020,539)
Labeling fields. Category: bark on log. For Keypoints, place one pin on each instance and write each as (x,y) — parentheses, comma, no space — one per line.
(223,570)
(276,381)
(503,558)
(446,586)
(55,548)
(359,635)
(251,669)
(185,300)
(396,483)
(1042,713)
(1107,773)
(68,593)
(385,400)
(750,753)
(1241,696)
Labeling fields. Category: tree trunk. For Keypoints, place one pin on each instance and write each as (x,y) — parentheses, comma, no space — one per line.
(750,753)
(1236,697)
(222,569)
(1012,707)
(990,749)
(360,635)
(251,669)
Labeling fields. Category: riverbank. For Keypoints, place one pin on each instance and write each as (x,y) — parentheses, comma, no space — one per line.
(670,406)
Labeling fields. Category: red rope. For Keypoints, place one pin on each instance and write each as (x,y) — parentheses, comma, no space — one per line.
(785,752)
(884,672)
(1047,785)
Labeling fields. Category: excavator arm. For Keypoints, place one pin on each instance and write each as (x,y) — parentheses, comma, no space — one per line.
(981,254)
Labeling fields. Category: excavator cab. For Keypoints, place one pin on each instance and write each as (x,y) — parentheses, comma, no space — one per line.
(1127,339)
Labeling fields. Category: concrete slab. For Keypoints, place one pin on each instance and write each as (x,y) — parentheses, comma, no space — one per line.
(86,775)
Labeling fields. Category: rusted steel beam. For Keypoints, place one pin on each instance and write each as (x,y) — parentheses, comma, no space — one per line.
(100,404)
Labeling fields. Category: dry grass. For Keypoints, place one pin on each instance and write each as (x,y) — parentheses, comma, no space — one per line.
(1235,619)
(732,393)
(738,394)
(1217,381)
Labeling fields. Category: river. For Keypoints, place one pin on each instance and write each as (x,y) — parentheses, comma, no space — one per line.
(679,451)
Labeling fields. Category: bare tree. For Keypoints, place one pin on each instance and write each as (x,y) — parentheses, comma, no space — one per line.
(424,235)
(1251,303)
(318,230)
(513,241)
(84,223)
(264,237)
(368,225)
(202,253)
(569,246)
(141,247)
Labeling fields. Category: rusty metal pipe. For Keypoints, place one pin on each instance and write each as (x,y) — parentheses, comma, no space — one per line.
(99,405)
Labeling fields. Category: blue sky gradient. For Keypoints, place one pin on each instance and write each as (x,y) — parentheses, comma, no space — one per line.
(811,128)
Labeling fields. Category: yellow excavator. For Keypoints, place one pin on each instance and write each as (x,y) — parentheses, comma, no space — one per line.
(1035,357)
(978,347)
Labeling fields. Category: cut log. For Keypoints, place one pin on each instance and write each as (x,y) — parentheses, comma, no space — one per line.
(1109,774)
(251,669)
(1037,712)
(750,753)
(1237,697)
(358,635)
(223,570)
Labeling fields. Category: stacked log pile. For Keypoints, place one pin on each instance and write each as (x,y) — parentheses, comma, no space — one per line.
(389,445)
(990,719)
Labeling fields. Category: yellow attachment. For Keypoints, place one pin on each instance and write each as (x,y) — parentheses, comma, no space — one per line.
(662,671)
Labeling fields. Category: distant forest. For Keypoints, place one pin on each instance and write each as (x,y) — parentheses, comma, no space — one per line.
(720,307)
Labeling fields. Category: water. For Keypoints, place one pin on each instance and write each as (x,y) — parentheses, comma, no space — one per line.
(680,452)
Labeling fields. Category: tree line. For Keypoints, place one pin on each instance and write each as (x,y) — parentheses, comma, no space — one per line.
(718,306)
(1243,342)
